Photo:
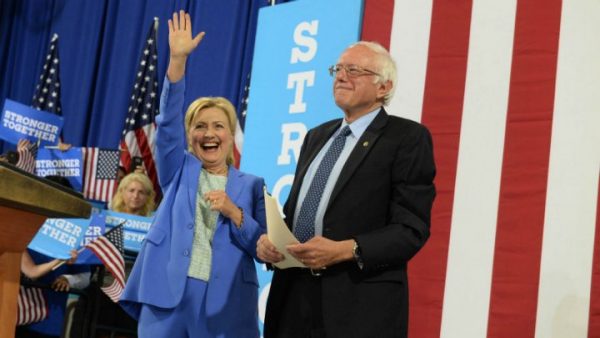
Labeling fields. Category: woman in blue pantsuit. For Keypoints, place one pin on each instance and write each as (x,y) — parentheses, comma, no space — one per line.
(195,274)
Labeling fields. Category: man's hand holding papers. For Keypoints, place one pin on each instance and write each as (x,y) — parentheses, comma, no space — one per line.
(280,235)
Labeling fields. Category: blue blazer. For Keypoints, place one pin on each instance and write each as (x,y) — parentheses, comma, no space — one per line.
(159,275)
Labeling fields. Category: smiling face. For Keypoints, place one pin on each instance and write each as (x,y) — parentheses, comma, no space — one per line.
(135,197)
(210,137)
(360,94)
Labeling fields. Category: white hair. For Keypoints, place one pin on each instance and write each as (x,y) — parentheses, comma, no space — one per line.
(386,66)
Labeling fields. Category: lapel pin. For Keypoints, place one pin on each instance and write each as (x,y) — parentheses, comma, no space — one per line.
(366,143)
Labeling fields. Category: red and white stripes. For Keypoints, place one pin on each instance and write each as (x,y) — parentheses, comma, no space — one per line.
(31,305)
(511,93)
(114,262)
(93,187)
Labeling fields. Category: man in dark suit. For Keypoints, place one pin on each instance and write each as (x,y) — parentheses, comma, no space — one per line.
(361,212)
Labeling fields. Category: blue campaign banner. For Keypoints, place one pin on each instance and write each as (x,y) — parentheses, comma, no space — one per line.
(134,229)
(97,206)
(21,121)
(96,228)
(58,236)
(291,90)
(56,162)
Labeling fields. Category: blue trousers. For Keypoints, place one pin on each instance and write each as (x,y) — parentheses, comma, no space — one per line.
(188,319)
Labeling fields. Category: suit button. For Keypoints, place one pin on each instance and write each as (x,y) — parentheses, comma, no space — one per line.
(186,252)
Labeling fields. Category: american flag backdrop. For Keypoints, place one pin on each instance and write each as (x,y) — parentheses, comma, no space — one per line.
(139,132)
(31,305)
(46,98)
(109,249)
(241,111)
(47,91)
(511,93)
(100,173)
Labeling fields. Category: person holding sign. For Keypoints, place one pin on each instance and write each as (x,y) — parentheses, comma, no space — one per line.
(34,271)
(195,275)
(55,273)
(39,267)
(135,195)
(360,206)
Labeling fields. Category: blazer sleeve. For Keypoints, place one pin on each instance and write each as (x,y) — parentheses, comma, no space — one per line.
(409,209)
(254,223)
(170,133)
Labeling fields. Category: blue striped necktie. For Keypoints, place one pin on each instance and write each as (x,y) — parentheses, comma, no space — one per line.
(305,225)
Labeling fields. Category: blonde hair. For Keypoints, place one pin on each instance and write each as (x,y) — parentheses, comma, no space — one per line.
(117,203)
(209,102)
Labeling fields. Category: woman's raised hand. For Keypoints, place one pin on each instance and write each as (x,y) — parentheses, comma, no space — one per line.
(181,42)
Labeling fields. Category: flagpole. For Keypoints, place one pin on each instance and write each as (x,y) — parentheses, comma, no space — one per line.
(138,136)
(62,262)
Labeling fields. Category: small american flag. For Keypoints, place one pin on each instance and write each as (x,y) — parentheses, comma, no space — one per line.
(27,154)
(109,249)
(31,305)
(100,173)
(139,132)
(47,91)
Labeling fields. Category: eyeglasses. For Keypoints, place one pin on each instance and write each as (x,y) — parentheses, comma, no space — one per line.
(351,70)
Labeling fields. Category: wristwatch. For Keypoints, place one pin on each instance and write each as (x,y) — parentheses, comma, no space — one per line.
(357,255)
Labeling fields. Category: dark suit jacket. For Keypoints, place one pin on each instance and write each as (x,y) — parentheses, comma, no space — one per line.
(382,199)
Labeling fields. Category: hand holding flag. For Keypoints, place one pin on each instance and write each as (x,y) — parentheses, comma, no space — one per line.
(109,248)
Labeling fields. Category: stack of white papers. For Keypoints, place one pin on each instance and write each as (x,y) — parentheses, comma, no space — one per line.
(279,234)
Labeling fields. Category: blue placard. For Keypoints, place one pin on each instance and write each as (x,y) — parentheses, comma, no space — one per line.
(23,122)
(57,236)
(97,206)
(291,90)
(95,229)
(134,228)
(67,164)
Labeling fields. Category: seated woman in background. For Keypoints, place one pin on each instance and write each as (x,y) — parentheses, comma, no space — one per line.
(135,195)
